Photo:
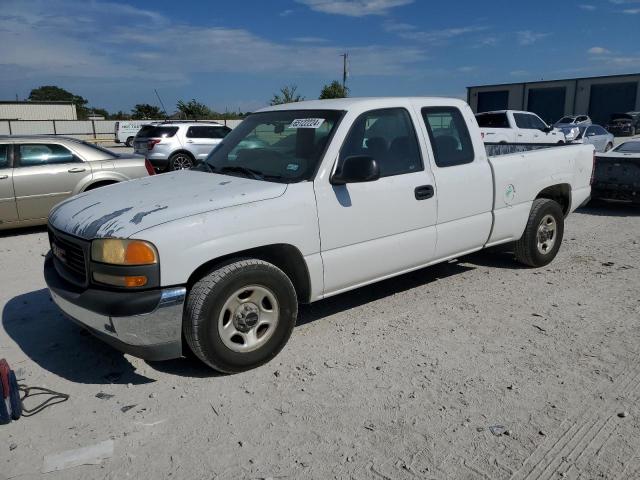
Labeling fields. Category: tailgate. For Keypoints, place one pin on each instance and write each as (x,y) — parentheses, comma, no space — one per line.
(616,172)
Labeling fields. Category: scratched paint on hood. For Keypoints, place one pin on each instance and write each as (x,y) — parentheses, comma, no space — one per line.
(122,209)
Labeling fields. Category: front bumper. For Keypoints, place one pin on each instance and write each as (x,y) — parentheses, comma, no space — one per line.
(151,329)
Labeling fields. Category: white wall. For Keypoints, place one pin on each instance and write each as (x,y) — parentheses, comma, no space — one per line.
(37,111)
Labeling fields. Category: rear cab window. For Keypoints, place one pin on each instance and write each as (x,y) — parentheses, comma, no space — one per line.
(449,136)
(493,120)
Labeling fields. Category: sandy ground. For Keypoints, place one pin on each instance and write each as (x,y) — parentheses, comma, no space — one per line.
(400,380)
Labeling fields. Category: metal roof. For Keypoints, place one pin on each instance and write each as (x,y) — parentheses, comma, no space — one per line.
(557,80)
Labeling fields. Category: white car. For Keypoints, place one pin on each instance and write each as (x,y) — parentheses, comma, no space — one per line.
(337,194)
(512,126)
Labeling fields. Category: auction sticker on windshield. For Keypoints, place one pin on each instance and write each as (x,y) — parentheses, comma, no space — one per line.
(307,123)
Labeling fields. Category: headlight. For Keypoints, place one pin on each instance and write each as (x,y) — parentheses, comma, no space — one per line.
(117,251)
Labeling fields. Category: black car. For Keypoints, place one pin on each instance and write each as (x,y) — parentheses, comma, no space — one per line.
(624,124)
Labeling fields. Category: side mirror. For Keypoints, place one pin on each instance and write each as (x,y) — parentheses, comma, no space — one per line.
(356,169)
(547,129)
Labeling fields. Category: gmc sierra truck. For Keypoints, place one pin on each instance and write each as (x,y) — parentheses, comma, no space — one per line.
(298,203)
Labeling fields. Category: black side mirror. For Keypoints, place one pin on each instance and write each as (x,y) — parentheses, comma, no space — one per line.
(356,169)
(547,129)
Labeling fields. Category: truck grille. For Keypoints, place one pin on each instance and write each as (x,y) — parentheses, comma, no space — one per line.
(69,257)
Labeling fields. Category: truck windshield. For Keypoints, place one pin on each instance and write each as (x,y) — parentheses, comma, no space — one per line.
(280,146)
(629,147)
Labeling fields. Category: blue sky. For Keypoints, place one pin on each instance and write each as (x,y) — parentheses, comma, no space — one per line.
(236,54)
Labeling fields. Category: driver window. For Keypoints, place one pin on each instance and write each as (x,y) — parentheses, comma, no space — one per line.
(388,136)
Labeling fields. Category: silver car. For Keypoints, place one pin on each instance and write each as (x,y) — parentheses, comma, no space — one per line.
(597,136)
(178,145)
(37,172)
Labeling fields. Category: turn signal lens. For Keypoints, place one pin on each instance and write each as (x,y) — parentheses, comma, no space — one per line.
(117,251)
(120,281)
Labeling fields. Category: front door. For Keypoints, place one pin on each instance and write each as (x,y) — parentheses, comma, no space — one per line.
(372,230)
(8,210)
(45,174)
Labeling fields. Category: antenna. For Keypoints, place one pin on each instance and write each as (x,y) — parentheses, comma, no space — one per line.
(162,104)
(345,72)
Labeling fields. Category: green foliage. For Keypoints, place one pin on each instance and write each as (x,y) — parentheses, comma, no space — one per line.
(144,111)
(194,110)
(334,90)
(287,95)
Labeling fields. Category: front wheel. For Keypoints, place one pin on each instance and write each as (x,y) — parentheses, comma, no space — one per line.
(240,315)
(180,161)
(542,236)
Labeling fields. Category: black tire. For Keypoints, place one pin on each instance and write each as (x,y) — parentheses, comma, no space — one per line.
(204,312)
(526,249)
(129,142)
(181,161)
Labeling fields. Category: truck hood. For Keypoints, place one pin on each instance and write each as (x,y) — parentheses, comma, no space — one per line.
(122,209)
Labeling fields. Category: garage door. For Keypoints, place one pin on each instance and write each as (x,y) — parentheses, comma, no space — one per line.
(548,103)
(490,101)
(611,98)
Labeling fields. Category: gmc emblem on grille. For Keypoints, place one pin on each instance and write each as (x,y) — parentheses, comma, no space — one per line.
(60,253)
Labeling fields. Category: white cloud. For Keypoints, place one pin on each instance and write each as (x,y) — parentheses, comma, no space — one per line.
(435,37)
(354,8)
(528,37)
(598,51)
(587,6)
(631,11)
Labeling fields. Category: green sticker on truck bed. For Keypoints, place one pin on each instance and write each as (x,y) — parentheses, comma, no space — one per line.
(307,123)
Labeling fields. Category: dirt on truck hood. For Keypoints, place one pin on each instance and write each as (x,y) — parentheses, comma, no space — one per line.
(122,209)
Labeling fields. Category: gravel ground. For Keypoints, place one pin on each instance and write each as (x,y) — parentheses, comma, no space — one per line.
(400,380)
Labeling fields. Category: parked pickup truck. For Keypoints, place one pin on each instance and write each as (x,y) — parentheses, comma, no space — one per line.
(511,126)
(617,173)
(300,202)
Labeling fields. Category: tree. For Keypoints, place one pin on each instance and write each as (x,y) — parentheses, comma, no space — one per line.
(52,93)
(334,90)
(194,110)
(144,111)
(287,95)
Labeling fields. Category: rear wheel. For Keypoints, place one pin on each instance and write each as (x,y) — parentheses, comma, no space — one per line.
(180,161)
(543,234)
(240,315)
(129,142)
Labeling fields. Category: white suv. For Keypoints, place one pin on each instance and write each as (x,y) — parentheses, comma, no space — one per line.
(178,145)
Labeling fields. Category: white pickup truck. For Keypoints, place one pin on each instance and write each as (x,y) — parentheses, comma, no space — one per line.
(512,126)
(299,203)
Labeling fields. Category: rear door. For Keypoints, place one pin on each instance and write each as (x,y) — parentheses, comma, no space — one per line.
(45,174)
(8,210)
(200,140)
(375,229)
(464,182)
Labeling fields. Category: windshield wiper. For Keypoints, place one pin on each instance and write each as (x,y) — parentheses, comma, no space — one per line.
(249,172)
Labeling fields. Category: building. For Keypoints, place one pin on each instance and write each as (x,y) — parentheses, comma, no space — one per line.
(12,110)
(597,97)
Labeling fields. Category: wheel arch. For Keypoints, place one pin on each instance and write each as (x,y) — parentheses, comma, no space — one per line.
(560,193)
(182,150)
(284,256)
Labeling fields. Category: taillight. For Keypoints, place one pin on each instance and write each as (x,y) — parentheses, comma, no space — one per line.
(151,143)
(149,167)
(593,169)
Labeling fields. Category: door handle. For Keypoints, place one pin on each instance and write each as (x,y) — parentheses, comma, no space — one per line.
(76,170)
(189,141)
(424,192)
(4,177)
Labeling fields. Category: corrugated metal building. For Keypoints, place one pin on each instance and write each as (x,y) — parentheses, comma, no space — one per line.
(37,111)
(597,97)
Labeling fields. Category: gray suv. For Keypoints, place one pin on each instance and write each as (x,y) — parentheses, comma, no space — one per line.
(178,145)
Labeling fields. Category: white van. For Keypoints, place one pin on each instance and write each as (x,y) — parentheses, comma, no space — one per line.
(125,130)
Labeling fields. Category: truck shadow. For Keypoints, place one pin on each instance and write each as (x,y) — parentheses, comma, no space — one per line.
(56,344)
(603,208)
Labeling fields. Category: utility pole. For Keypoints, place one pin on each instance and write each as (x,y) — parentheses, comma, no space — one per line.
(345,73)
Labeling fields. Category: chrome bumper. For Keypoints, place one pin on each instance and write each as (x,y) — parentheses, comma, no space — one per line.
(156,335)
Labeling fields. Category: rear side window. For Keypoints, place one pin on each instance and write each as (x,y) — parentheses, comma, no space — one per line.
(4,156)
(493,120)
(153,131)
(32,154)
(449,136)
(208,132)
(388,136)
